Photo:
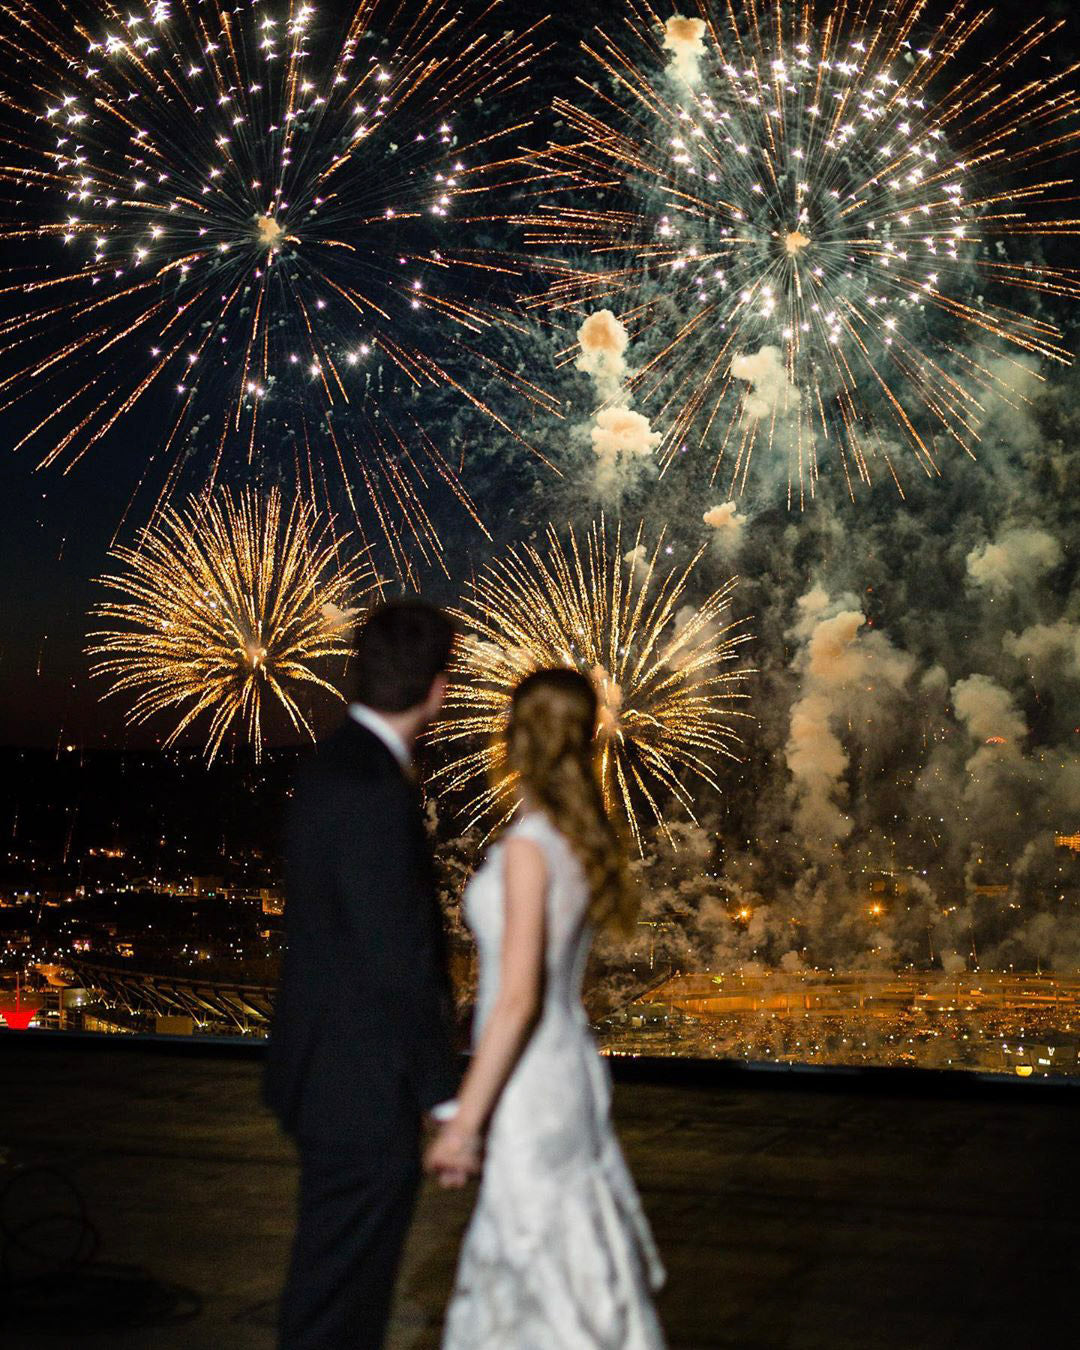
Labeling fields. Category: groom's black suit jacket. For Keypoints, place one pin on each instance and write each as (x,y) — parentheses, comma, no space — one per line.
(361,1038)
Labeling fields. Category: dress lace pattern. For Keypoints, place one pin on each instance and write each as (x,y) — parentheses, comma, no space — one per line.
(558,1254)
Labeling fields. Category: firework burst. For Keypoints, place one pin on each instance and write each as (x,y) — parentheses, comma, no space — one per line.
(225,607)
(661,667)
(804,211)
(260,224)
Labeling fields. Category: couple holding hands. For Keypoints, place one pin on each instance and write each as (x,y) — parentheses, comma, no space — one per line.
(557,1254)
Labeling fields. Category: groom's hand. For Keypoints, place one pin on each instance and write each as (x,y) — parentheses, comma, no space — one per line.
(440,1113)
(454,1155)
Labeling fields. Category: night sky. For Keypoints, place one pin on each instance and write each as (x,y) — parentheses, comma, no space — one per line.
(55,529)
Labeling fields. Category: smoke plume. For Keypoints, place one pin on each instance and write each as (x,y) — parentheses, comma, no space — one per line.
(845,675)
(622,439)
(684,39)
(771,393)
(1017,558)
(1048,647)
(603,341)
(728,525)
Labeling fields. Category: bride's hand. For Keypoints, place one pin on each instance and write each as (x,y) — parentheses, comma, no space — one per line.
(454,1155)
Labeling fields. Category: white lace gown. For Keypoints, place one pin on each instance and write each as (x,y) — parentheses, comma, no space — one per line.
(558,1254)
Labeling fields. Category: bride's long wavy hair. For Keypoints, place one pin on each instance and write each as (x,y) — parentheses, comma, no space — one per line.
(551,747)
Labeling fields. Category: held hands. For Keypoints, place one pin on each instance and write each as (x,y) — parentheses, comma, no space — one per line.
(454,1155)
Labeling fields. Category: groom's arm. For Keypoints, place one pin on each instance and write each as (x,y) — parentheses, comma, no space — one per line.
(383,879)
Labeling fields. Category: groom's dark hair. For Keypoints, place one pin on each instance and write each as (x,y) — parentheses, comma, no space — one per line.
(400,648)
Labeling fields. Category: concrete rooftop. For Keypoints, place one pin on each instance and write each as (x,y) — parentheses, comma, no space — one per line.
(800,1211)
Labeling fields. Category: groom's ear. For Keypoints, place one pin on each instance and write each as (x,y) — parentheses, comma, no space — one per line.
(437,693)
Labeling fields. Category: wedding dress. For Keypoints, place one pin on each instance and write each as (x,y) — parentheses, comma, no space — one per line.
(558,1253)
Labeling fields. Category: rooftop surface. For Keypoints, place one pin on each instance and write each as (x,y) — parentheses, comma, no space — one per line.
(792,1211)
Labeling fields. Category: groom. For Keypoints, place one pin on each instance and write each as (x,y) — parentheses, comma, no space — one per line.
(360,1045)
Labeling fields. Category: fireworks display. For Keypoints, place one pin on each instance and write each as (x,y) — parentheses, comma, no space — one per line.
(256,224)
(662,669)
(805,212)
(267,267)
(224,606)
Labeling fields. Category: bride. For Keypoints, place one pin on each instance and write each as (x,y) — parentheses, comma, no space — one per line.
(558,1254)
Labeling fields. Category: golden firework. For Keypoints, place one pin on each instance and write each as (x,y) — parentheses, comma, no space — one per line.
(662,668)
(225,605)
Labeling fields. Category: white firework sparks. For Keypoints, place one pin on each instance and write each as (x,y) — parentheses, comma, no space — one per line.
(267,223)
(809,231)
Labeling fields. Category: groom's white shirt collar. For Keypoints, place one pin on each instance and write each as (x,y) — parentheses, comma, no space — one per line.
(379,726)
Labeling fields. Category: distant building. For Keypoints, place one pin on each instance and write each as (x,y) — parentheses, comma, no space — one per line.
(207,886)
(1069,841)
(1041,1055)
(273,900)
(890,884)
(110,1021)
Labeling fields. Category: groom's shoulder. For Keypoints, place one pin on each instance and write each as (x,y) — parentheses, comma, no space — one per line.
(349,755)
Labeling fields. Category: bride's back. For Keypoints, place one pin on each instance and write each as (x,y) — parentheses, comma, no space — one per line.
(558,1252)
(567,932)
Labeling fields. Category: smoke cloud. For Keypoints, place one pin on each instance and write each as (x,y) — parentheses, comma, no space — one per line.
(771,393)
(1052,648)
(1017,558)
(684,39)
(637,558)
(988,711)
(842,674)
(622,439)
(603,340)
(728,524)
(336,618)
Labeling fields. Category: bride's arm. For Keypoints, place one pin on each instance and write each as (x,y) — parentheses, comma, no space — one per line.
(511,1020)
